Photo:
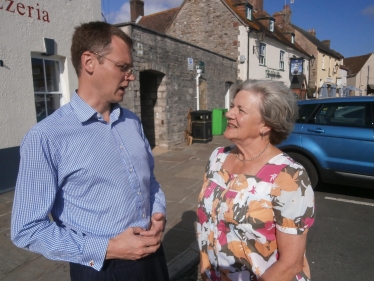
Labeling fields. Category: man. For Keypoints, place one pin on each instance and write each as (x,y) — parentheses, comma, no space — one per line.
(90,166)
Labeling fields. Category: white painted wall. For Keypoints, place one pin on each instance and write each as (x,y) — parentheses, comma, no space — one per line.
(364,76)
(21,34)
(273,48)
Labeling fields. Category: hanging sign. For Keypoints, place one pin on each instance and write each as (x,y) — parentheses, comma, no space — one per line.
(296,66)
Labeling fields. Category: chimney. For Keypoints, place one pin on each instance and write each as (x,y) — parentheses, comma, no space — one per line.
(287,14)
(326,43)
(136,9)
(312,32)
(258,5)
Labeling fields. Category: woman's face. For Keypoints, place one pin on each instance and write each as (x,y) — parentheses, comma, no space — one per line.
(244,121)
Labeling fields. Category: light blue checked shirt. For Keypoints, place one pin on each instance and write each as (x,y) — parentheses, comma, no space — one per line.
(94,178)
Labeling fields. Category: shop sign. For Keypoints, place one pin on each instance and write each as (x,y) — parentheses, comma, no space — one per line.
(273,74)
(15,7)
(329,80)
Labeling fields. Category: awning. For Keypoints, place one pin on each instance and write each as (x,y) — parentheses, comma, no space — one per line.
(371,86)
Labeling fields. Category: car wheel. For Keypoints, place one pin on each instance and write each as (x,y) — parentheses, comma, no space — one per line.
(308,165)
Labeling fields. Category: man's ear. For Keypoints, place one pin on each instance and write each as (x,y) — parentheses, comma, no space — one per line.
(88,62)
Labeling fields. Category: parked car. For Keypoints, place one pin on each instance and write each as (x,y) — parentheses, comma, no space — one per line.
(334,140)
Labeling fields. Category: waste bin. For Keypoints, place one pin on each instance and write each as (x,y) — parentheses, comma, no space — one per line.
(219,121)
(201,126)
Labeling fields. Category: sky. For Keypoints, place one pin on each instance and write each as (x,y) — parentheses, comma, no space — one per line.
(348,24)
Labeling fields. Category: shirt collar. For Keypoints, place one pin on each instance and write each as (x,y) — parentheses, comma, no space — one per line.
(84,112)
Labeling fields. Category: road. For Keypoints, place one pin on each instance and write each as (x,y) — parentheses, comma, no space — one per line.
(340,244)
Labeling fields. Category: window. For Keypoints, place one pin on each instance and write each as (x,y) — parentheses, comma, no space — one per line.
(248,12)
(271,25)
(323,62)
(293,38)
(305,112)
(281,60)
(344,114)
(262,55)
(47,92)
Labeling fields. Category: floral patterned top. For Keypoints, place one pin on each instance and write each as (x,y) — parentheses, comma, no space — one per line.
(238,216)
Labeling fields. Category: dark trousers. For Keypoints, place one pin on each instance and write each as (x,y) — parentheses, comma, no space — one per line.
(150,268)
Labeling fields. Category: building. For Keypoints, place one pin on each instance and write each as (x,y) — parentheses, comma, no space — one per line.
(361,73)
(324,64)
(242,30)
(36,72)
(165,85)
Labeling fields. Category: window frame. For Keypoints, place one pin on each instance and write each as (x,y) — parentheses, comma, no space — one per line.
(249,12)
(58,76)
(281,59)
(262,54)
(271,25)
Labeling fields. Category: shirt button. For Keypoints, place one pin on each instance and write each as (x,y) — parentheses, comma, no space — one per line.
(143,215)
(92,263)
(139,192)
(98,115)
(130,170)
(120,146)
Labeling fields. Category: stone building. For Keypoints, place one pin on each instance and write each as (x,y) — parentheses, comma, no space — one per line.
(241,30)
(165,86)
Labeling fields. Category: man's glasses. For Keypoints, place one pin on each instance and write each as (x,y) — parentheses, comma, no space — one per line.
(128,70)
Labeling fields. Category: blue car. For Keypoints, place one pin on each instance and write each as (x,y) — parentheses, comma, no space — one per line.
(334,140)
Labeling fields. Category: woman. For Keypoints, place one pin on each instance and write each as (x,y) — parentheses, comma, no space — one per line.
(256,204)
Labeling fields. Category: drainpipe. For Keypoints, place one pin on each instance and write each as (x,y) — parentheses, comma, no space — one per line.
(248,31)
(198,88)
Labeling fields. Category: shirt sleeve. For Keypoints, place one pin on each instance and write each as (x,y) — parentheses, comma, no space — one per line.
(293,200)
(35,196)
(157,196)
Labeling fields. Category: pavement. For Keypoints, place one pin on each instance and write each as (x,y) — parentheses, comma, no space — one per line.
(179,170)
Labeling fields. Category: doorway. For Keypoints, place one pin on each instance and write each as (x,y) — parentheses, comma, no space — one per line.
(150,82)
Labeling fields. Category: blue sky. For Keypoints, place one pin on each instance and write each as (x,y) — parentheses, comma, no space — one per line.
(349,24)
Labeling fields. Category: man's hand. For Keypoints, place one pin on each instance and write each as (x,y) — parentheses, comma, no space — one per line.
(158,222)
(131,245)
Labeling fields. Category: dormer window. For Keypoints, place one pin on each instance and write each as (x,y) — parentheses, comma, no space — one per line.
(271,25)
(248,11)
(293,38)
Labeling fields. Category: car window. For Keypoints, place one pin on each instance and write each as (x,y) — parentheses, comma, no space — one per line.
(305,111)
(342,114)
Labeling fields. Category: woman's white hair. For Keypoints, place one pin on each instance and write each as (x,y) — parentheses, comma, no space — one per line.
(278,106)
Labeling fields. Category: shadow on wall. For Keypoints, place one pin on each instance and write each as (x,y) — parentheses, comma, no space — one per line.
(9,162)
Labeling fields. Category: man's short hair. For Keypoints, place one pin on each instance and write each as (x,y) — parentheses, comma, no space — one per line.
(95,37)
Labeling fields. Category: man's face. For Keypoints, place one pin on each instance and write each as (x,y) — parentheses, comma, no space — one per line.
(110,80)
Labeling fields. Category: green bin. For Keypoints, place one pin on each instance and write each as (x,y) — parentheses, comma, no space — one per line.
(219,121)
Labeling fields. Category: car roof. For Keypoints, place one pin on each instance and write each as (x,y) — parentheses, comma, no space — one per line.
(341,99)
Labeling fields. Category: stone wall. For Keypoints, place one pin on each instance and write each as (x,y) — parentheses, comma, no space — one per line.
(208,24)
(167,58)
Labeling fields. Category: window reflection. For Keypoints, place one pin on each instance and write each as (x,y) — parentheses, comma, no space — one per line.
(46,80)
